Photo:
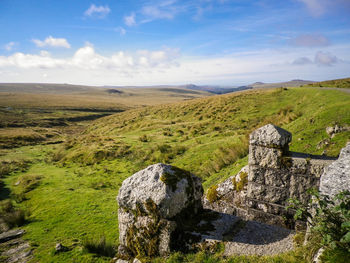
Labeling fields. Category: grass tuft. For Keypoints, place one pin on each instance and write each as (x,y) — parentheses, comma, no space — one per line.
(99,246)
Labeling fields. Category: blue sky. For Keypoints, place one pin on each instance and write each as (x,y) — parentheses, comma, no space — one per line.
(221,42)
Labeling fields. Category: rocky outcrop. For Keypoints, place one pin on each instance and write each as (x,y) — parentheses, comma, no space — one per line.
(336,177)
(13,248)
(154,205)
(333,130)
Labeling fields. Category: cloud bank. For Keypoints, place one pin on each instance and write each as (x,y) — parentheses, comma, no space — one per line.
(169,66)
(52,42)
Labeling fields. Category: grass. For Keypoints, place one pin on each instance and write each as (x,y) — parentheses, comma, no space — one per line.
(99,246)
(338,83)
(11,215)
(74,199)
(215,127)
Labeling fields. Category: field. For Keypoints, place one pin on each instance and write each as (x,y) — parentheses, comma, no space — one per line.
(66,176)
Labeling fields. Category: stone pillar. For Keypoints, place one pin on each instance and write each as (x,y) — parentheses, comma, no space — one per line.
(153,206)
(267,182)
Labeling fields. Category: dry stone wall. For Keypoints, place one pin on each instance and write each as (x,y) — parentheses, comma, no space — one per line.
(275,175)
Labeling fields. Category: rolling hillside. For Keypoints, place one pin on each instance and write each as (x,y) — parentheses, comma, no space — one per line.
(291,83)
(337,83)
(70,188)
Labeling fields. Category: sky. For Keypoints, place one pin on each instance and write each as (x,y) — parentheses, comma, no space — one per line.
(204,42)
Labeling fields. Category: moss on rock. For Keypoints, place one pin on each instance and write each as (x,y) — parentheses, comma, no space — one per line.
(212,194)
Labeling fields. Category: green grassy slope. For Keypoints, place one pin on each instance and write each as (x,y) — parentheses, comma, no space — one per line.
(207,136)
(79,180)
(337,83)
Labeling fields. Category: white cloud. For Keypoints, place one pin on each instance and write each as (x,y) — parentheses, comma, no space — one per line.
(325,59)
(97,11)
(52,42)
(321,59)
(302,61)
(27,61)
(120,30)
(87,58)
(130,20)
(310,40)
(161,10)
(9,46)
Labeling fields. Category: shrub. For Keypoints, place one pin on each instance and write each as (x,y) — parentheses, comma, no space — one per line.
(329,217)
(99,246)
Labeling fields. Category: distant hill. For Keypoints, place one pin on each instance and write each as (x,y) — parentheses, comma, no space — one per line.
(216,89)
(291,83)
(45,88)
(182,88)
(41,95)
(336,83)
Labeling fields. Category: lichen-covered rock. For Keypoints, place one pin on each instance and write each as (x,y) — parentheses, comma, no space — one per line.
(265,156)
(230,194)
(270,136)
(152,204)
(336,177)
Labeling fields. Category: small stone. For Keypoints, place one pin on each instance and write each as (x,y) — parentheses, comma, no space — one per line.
(60,248)
(330,131)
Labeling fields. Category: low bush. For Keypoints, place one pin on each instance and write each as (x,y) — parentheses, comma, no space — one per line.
(328,217)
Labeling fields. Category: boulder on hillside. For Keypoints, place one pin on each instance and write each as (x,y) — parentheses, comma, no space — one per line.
(336,177)
(153,206)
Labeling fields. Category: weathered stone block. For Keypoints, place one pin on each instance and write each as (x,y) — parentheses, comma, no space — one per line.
(317,166)
(256,174)
(271,136)
(299,184)
(277,195)
(277,178)
(152,205)
(296,165)
(265,157)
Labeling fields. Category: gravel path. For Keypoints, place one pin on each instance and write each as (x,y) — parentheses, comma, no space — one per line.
(248,237)
(260,239)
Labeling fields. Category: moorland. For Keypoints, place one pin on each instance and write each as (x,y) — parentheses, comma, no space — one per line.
(66,150)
